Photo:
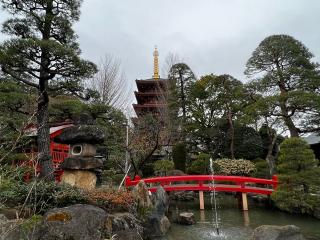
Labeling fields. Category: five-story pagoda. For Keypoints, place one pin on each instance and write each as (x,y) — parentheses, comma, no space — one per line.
(151,94)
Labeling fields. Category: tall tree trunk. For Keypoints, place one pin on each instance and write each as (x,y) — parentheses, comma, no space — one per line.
(44,156)
(231,128)
(270,158)
(294,132)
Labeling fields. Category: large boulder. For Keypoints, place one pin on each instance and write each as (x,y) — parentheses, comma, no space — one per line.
(271,232)
(11,229)
(124,226)
(81,134)
(130,234)
(81,222)
(142,196)
(156,226)
(161,201)
(82,163)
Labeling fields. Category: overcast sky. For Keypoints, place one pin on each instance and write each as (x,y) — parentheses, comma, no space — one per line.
(212,36)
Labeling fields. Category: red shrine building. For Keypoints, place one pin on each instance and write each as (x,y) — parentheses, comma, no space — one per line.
(151,94)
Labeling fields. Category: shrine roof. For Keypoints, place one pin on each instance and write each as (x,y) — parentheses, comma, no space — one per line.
(32,132)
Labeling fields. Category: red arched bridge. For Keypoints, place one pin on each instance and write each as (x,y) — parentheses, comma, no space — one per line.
(203,183)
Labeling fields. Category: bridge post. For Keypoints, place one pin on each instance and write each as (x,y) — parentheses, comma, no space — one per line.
(201,200)
(244,202)
(201,197)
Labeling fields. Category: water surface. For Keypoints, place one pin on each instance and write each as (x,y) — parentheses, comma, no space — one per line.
(235,224)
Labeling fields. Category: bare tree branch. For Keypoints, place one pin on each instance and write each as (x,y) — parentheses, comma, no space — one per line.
(110,82)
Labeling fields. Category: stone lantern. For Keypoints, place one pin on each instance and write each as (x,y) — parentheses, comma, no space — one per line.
(79,168)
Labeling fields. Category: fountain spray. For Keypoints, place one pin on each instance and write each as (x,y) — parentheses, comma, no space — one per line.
(214,200)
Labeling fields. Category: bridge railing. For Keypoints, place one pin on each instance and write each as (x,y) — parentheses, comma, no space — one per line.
(203,183)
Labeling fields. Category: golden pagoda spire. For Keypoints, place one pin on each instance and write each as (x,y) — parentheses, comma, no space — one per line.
(156,64)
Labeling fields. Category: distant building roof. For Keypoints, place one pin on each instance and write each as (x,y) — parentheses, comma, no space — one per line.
(313,138)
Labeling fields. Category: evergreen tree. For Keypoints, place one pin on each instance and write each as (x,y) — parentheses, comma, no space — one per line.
(43,54)
(180,79)
(287,80)
(214,98)
(299,178)
(295,157)
(179,155)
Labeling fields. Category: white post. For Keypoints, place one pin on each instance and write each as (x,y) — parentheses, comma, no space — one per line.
(124,178)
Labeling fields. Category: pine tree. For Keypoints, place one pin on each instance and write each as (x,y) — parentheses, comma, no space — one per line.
(43,53)
(180,79)
(299,178)
(287,79)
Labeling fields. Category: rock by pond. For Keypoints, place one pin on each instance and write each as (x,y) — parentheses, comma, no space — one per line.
(161,201)
(186,218)
(272,232)
(81,222)
(124,226)
(157,224)
(142,197)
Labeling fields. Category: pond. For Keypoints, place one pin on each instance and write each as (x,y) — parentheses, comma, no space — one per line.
(235,224)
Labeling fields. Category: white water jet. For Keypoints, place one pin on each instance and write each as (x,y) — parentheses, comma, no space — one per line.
(215,218)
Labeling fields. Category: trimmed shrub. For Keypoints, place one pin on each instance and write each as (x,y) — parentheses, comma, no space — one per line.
(262,168)
(200,165)
(299,190)
(179,155)
(161,167)
(234,167)
(295,156)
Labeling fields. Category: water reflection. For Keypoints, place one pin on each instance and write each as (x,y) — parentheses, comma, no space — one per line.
(202,216)
(236,224)
(246,218)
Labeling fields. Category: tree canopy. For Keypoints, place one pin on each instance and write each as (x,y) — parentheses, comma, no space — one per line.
(43,53)
(287,80)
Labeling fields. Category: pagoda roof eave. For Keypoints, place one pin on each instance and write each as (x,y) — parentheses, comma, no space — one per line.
(151,94)
(150,105)
(151,83)
(151,80)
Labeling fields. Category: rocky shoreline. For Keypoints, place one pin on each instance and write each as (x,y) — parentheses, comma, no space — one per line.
(87,222)
(147,221)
